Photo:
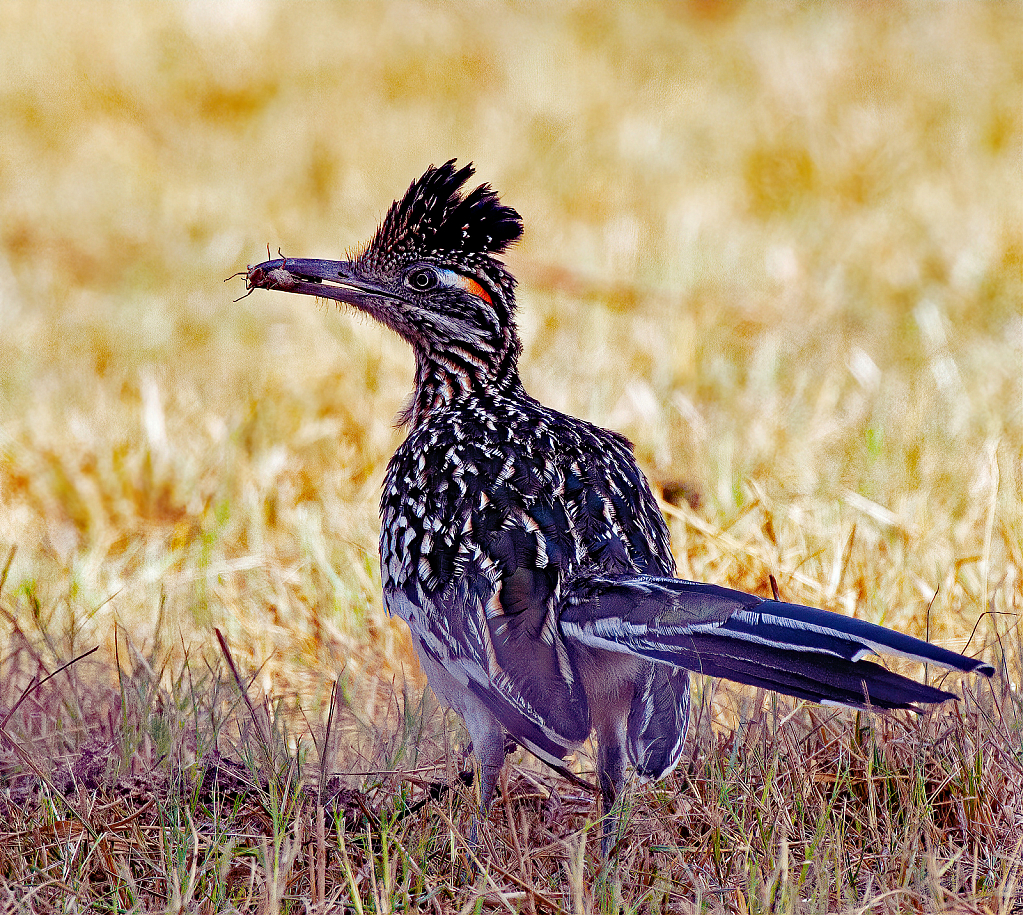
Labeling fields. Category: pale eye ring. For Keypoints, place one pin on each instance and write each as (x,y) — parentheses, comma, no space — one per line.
(422,279)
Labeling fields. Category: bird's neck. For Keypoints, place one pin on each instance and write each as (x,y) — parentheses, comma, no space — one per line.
(442,379)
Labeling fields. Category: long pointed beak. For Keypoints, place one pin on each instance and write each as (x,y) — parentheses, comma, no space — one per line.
(326,279)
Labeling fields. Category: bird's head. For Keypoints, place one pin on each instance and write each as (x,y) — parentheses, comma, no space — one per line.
(432,273)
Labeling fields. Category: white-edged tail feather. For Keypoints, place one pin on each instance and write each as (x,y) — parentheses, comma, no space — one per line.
(800,651)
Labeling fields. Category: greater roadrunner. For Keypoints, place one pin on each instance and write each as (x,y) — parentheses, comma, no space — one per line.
(524,547)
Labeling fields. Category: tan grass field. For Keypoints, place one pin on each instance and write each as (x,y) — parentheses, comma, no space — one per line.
(779,246)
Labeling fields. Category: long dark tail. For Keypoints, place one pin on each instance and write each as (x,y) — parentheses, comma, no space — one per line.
(800,651)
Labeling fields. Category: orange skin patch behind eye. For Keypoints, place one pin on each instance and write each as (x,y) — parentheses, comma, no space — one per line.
(450,278)
(473,288)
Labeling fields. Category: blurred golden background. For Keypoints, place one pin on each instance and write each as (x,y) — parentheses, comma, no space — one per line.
(777,245)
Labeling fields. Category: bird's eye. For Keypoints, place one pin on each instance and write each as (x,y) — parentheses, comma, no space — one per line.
(422,278)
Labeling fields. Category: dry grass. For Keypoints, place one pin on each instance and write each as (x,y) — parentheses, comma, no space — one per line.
(780,247)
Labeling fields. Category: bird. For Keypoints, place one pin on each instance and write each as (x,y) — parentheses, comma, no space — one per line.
(525,548)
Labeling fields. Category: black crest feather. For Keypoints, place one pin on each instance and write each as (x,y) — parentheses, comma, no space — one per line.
(435,219)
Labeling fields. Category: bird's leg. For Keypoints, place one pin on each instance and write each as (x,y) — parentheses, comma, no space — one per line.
(490,753)
(611,778)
